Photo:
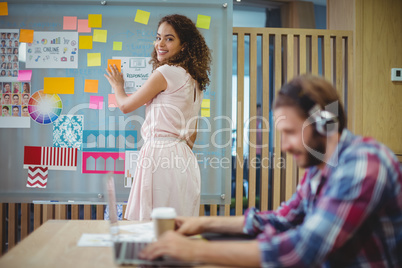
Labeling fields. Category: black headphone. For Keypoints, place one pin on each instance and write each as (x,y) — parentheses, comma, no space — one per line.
(325,121)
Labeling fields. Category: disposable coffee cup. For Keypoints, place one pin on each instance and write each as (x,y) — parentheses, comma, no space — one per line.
(163,218)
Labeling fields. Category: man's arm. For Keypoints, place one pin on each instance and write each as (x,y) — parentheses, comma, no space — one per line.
(222,253)
(217,224)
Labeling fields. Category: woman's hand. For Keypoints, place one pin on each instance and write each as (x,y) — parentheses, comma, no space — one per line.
(115,77)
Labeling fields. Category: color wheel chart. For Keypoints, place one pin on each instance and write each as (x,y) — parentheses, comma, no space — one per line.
(44,108)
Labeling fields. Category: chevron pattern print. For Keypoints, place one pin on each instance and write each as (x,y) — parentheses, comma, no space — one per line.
(37,177)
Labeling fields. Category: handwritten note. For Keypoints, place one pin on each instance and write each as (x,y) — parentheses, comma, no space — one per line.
(58,85)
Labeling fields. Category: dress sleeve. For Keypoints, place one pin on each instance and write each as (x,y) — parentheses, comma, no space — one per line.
(175,77)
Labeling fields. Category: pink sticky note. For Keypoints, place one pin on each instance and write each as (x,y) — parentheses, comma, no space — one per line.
(24,75)
(69,23)
(111,101)
(96,102)
(83,26)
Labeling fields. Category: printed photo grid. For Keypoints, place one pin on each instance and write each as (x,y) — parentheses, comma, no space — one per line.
(9,46)
(14,98)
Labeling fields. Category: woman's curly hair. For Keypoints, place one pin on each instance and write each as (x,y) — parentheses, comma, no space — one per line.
(196,56)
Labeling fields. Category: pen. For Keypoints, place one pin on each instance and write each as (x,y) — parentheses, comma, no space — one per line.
(44,201)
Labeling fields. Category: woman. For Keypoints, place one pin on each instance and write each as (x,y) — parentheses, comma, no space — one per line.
(167,173)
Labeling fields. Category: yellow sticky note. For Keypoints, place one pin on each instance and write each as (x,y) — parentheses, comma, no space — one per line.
(142,16)
(203,21)
(85,42)
(95,20)
(3,9)
(205,112)
(94,59)
(112,62)
(26,36)
(206,103)
(58,85)
(100,36)
(117,45)
(91,86)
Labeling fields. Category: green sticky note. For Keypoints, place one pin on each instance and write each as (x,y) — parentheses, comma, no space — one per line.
(100,36)
(93,59)
(117,45)
(142,16)
(203,21)
(85,42)
(95,20)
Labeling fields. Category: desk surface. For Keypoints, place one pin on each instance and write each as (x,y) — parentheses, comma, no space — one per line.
(54,244)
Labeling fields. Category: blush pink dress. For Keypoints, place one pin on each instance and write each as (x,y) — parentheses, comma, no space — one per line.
(167,173)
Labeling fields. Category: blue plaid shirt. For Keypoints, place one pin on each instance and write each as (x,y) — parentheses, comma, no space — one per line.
(353,220)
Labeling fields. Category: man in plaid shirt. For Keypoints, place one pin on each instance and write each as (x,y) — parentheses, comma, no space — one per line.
(346,212)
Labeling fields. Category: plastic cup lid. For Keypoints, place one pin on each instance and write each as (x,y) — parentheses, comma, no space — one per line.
(163,213)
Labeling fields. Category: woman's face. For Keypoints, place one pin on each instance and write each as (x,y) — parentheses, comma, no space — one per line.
(167,42)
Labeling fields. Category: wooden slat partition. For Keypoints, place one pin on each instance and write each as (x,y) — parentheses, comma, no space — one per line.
(292,52)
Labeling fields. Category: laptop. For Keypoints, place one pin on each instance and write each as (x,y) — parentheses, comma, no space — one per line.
(125,252)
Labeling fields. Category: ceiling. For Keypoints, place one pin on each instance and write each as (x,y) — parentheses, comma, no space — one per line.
(274,3)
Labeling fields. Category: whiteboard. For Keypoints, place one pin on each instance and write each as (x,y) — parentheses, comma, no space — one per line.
(213,145)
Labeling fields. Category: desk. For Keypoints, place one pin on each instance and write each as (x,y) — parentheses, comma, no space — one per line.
(54,245)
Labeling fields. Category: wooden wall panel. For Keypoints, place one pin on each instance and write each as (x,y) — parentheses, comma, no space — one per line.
(377,33)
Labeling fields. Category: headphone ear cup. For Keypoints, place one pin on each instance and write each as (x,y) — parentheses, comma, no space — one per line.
(321,126)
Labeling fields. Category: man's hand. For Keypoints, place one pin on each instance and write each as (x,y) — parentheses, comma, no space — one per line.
(173,245)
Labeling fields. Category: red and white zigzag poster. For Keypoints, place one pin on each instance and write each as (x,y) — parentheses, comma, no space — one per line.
(37,177)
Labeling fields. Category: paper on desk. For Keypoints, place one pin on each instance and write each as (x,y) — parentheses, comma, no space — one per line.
(95,240)
(143,232)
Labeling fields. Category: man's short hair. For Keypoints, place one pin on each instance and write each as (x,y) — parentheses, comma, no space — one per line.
(306,91)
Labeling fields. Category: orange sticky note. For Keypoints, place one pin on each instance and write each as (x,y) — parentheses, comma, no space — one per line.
(3,9)
(26,36)
(69,23)
(95,20)
(111,62)
(91,86)
(58,85)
